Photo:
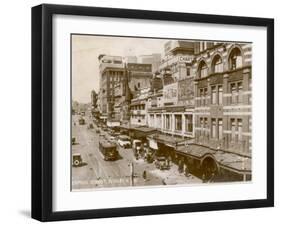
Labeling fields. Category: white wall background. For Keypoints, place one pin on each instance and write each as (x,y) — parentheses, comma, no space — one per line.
(15,113)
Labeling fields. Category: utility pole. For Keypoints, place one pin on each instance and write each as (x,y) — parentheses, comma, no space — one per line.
(132,173)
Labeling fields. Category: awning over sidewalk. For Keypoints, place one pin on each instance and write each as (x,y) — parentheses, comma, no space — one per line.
(196,151)
(125,127)
(227,160)
(142,131)
(168,140)
(138,131)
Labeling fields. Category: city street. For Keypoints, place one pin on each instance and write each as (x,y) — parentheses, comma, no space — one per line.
(95,172)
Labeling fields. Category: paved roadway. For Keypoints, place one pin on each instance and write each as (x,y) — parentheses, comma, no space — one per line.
(95,172)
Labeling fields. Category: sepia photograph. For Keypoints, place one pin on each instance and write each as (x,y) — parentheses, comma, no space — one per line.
(159,112)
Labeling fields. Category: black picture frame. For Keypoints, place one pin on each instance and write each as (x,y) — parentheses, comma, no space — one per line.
(42,111)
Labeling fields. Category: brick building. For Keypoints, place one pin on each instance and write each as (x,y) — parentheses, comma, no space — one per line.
(223,97)
(112,72)
(222,83)
(139,76)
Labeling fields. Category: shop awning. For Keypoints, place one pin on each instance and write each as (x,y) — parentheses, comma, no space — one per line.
(169,140)
(142,131)
(227,160)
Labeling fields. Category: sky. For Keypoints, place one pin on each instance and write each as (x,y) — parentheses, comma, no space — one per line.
(85,64)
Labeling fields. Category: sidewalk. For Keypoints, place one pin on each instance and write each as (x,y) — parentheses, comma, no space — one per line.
(172,176)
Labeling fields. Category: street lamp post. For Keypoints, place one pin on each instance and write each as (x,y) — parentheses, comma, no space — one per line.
(132,173)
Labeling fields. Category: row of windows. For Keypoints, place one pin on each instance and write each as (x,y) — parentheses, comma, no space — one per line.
(178,123)
(107,61)
(175,68)
(235,61)
(116,73)
(116,78)
(155,122)
(217,128)
(139,67)
(138,107)
(236,91)
(138,116)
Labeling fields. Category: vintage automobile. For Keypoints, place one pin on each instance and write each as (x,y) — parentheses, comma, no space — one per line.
(111,139)
(136,145)
(76,159)
(149,156)
(108,150)
(81,121)
(124,141)
(115,134)
(104,128)
(161,163)
(102,136)
(73,140)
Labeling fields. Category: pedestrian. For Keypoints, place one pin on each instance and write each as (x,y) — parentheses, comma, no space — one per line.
(203,178)
(186,171)
(179,165)
(144,174)
(169,160)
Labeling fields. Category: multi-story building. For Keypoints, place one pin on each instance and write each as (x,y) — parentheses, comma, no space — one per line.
(153,59)
(131,59)
(207,112)
(139,76)
(119,98)
(94,98)
(112,71)
(223,97)
(171,109)
(223,108)
(118,82)
(178,58)
(139,108)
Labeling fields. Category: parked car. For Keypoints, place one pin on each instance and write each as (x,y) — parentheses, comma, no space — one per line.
(115,134)
(102,136)
(111,139)
(97,131)
(73,140)
(124,141)
(81,121)
(112,133)
(76,159)
(136,145)
(149,156)
(161,163)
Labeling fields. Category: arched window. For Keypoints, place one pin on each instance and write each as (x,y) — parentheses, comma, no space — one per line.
(235,59)
(217,65)
(202,69)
